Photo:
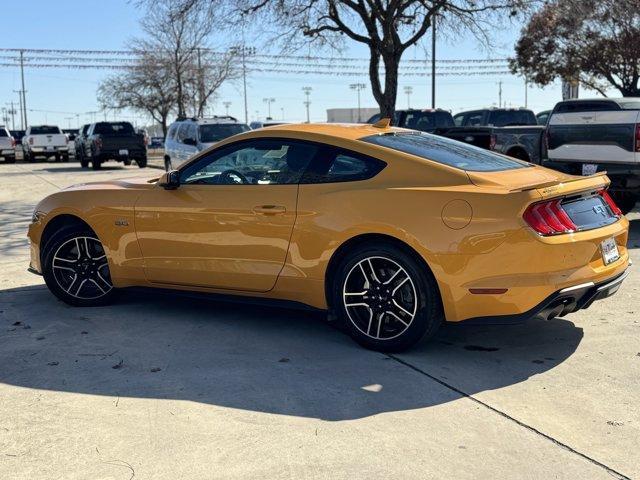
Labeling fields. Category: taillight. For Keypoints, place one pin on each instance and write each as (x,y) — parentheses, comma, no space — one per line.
(549,218)
(612,205)
(637,137)
(492,142)
(98,142)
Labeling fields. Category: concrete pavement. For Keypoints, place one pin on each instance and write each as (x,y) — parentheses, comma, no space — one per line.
(165,386)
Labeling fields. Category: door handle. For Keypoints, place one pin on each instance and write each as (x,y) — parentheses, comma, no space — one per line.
(269,209)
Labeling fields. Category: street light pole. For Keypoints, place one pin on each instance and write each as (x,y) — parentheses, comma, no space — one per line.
(307,92)
(433,62)
(19,92)
(24,97)
(268,101)
(358,87)
(408,90)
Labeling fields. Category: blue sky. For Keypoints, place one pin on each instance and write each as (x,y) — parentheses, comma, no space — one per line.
(54,95)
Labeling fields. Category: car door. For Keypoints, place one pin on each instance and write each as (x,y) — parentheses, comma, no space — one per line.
(228,224)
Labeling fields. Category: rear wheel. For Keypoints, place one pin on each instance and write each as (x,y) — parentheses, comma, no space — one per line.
(75,268)
(386,300)
(96,163)
(142,162)
(84,163)
(10,160)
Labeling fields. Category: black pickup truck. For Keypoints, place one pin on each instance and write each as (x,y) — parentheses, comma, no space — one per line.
(113,141)
(511,131)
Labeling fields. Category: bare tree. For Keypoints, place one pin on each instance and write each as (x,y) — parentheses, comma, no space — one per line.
(387,27)
(179,34)
(147,86)
(594,41)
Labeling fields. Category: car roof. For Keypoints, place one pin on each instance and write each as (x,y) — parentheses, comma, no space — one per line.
(632,103)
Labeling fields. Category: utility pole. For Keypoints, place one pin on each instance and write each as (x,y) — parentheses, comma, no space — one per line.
(433,62)
(19,92)
(244,51)
(307,102)
(200,85)
(268,101)
(500,94)
(408,90)
(226,106)
(526,93)
(68,119)
(24,97)
(358,87)
(12,112)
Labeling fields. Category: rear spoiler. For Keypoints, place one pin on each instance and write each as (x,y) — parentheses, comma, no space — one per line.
(571,184)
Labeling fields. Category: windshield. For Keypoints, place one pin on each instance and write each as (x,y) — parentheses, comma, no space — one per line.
(44,130)
(116,128)
(446,151)
(427,121)
(216,132)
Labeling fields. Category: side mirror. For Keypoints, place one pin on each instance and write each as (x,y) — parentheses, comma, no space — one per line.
(190,141)
(170,180)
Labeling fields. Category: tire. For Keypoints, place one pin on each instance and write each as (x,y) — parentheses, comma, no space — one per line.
(126,162)
(626,201)
(381,316)
(75,268)
(167,164)
(10,160)
(28,157)
(96,163)
(57,158)
(84,163)
(142,162)
(65,158)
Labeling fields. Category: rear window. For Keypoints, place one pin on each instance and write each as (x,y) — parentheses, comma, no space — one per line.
(446,151)
(576,107)
(215,132)
(3,133)
(426,121)
(506,118)
(44,130)
(116,128)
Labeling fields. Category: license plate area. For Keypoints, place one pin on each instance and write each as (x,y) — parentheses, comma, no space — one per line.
(609,250)
(589,169)
(123,152)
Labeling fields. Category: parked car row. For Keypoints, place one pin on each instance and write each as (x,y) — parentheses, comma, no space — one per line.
(580,137)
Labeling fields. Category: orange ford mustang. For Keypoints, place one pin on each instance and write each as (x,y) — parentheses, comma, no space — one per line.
(394,231)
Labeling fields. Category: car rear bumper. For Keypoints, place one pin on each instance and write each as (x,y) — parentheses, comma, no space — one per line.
(560,303)
(53,149)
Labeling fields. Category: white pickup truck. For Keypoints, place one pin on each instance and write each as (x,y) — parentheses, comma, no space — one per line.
(45,141)
(7,146)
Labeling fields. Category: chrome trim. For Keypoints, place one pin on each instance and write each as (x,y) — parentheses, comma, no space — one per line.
(577,287)
(618,280)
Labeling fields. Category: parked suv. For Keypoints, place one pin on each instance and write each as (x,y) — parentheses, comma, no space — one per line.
(189,136)
(7,146)
(587,136)
(78,144)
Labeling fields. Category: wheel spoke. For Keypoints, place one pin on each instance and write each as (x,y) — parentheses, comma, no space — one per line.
(102,282)
(379,324)
(64,264)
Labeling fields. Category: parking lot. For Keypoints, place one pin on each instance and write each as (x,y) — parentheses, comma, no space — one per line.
(168,386)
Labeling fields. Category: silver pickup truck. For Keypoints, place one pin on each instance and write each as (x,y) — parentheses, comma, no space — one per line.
(45,141)
(7,146)
(586,136)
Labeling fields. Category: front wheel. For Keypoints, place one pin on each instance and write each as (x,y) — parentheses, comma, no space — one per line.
(76,270)
(386,299)
(96,164)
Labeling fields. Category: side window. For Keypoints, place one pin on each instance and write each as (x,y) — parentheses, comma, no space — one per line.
(182,132)
(254,162)
(192,131)
(172,131)
(458,119)
(473,119)
(334,165)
